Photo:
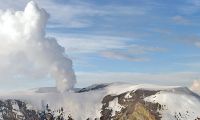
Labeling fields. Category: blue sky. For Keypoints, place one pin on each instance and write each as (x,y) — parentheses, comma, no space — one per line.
(138,41)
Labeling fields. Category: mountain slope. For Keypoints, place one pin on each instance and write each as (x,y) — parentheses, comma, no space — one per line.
(117,101)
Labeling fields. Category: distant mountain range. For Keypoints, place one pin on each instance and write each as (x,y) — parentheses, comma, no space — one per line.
(116,101)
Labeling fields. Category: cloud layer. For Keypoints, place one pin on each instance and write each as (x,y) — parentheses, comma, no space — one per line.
(172,78)
(109,47)
(25,52)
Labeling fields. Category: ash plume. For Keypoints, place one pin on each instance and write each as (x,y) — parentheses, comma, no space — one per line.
(25,51)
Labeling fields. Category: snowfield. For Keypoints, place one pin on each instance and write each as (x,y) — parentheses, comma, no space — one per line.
(178,101)
(185,106)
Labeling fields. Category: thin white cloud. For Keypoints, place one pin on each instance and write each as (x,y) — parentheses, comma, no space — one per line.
(78,15)
(10,4)
(141,49)
(162,31)
(74,14)
(123,56)
(181,20)
(133,53)
(91,43)
(191,64)
(189,7)
(175,78)
(191,39)
(119,48)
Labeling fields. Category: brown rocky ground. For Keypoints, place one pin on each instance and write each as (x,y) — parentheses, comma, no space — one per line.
(135,108)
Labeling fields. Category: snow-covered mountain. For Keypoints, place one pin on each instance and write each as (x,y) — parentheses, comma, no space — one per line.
(117,101)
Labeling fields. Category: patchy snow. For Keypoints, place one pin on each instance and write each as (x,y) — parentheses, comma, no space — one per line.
(88,104)
(1,116)
(15,106)
(16,109)
(128,95)
(79,105)
(119,88)
(29,106)
(115,106)
(176,105)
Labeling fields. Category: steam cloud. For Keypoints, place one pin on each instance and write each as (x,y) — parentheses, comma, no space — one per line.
(25,52)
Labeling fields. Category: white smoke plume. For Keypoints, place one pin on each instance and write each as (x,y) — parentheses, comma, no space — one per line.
(25,51)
